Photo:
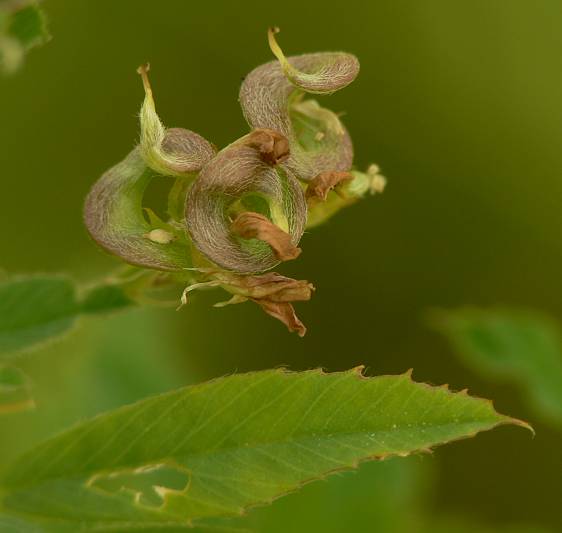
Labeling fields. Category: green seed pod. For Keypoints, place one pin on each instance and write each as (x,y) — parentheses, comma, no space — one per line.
(170,152)
(272,96)
(245,212)
(114,218)
(113,211)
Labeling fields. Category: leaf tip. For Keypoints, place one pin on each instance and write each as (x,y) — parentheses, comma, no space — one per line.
(520,423)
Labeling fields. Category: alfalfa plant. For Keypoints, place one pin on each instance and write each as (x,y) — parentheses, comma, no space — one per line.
(203,455)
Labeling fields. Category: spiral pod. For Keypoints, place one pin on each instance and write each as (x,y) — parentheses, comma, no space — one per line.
(272,96)
(171,152)
(245,211)
(113,211)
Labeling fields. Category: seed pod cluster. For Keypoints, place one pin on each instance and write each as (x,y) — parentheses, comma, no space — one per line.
(237,213)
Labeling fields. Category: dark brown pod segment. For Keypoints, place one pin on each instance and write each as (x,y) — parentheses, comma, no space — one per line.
(240,179)
(271,97)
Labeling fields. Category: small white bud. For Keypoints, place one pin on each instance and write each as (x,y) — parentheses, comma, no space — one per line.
(159,236)
(378,181)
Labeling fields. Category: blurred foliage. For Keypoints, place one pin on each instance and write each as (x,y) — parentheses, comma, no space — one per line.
(459,103)
(12,524)
(389,496)
(381,496)
(510,345)
(22,27)
(37,309)
(15,393)
(459,524)
(93,371)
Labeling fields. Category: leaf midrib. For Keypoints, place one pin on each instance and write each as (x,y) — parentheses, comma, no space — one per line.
(485,425)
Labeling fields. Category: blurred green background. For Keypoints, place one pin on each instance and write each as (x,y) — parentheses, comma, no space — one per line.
(460,103)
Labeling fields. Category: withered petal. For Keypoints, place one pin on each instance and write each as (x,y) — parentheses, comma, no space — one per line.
(272,146)
(324,182)
(284,312)
(250,225)
(271,286)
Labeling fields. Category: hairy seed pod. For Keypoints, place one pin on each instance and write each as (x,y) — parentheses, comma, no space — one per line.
(171,152)
(243,179)
(113,212)
(114,218)
(272,96)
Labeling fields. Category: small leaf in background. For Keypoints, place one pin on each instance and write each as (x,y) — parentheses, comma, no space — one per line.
(244,440)
(15,393)
(385,496)
(393,496)
(460,524)
(104,298)
(22,27)
(522,347)
(98,368)
(35,309)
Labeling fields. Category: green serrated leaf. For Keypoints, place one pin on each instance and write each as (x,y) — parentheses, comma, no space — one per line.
(523,347)
(22,27)
(218,448)
(33,310)
(15,391)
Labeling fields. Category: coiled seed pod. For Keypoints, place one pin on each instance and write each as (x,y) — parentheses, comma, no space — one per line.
(170,152)
(238,213)
(113,211)
(244,211)
(271,96)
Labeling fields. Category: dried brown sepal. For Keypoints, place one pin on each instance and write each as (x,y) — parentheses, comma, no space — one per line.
(285,313)
(250,225)
(271,286)
(323,183)
(272,292)
(272,146)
